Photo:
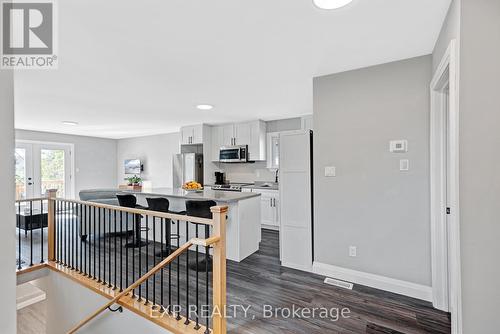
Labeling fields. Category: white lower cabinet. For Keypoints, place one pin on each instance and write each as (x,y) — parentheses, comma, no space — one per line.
(269,208)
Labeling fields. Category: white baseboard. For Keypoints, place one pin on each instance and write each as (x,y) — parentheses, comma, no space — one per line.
(375,281)
(296,266)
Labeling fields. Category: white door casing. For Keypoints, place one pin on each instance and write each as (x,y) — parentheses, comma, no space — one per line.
(444,181)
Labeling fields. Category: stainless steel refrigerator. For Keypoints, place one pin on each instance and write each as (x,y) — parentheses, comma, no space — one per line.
(187,167)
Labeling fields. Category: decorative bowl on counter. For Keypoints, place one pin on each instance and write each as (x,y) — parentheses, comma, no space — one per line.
(192,186)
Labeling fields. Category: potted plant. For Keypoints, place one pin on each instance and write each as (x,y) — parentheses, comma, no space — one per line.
(134,182)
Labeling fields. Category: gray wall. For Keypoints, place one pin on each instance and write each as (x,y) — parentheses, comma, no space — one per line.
(156,153)
(370,203)
(75,302)
(95,158)
(8,225)
(449,31)
(479,165)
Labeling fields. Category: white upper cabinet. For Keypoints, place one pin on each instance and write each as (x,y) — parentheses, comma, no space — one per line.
(192,134)
(243,133)
(227,135)
(252,134)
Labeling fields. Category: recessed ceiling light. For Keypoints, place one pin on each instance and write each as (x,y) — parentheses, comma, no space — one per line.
(331,4)
(69,123)
(205,106)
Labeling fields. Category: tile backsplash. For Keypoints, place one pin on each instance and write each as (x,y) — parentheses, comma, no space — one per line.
(247,172)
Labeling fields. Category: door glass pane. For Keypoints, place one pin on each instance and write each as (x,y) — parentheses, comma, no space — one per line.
(276,152)
(20,173)
(52,171)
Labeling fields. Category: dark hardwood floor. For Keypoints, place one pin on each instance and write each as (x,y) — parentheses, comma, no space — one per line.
(259,280)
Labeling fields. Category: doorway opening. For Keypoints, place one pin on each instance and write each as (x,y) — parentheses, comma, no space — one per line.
(445,232)
(41,166)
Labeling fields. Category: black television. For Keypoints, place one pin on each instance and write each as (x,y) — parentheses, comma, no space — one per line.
(133,166)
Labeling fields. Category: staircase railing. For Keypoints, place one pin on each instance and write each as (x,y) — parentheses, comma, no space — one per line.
(143,254)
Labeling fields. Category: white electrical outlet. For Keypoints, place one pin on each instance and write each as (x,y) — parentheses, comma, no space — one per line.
(353,251)
(330,171)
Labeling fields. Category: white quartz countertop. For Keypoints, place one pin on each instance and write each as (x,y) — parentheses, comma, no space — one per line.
(207,194)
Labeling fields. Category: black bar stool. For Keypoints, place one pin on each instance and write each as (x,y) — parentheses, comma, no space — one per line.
(200,209)
(162,205)
(130,201)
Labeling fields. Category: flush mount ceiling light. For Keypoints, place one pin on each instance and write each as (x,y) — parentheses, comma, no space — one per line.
(331,4)
(205,106)
(71,123)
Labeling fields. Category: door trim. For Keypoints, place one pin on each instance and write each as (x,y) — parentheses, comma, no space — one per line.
(445,252)
(71,146)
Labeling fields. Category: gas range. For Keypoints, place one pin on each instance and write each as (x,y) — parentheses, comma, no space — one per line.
(230,186)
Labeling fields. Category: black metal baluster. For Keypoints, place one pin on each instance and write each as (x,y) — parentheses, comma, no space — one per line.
(207,280)
(197,326)
(126,250)
(147,260)
(109,249)
(87,243)
(56,239)
(19,267)
(169,249)
(80,214)
(56,233)
(187,276)
(121,251)
(178,317)
(71,233)
(162,308)
(140,260)
(74,236)
(59,226)
(154,262)
(95,245)
(41,231)
(68,234)
(66,238)
(31,233)
(89,230)
(133,252)
(104,247)
(114,287)
(99,245)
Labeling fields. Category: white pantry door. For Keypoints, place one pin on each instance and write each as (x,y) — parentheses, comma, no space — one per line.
(295,200)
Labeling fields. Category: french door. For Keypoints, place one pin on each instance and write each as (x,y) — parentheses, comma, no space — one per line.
(43,166)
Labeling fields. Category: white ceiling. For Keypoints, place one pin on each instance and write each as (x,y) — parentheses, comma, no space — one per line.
(131,68)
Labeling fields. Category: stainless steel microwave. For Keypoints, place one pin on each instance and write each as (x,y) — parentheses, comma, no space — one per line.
(237,153)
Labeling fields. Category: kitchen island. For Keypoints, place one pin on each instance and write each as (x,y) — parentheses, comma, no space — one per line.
(243,224)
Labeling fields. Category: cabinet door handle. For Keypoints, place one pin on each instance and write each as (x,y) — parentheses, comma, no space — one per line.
(271,202)
(274,202)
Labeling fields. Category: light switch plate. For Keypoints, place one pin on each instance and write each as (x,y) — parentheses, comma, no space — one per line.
(404,165)
(330,171)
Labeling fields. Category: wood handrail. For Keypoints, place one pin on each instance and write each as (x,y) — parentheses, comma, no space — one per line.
(36,199)
(158,214)
(141,280)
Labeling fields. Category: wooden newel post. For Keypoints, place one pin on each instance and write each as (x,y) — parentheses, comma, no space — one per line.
(51,224)
(219,270)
